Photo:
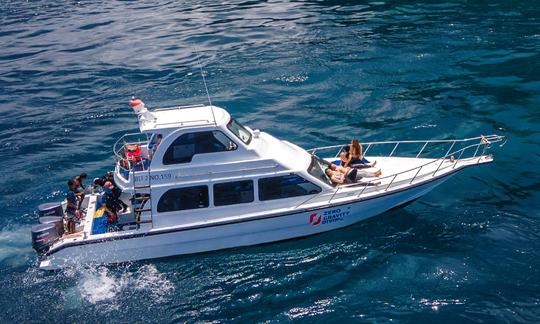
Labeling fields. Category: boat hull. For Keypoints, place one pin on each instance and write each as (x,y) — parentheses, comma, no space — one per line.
(213,237)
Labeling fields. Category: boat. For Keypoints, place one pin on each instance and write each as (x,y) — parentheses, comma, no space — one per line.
(196,180)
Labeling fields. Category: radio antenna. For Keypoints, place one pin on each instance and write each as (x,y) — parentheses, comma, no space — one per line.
(206,88)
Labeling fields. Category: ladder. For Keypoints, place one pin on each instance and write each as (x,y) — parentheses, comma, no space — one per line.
(141,200)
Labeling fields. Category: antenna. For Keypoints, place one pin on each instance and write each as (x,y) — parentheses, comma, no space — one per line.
(206,87)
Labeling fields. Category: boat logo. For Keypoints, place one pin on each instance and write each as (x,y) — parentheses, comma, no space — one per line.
(315,219)
(329,216)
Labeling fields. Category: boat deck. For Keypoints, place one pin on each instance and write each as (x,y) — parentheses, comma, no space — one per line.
(398,173)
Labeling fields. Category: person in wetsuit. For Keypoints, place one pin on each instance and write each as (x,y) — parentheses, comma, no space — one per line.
(112,199)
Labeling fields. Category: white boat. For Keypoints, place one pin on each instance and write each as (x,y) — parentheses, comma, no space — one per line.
(214,184)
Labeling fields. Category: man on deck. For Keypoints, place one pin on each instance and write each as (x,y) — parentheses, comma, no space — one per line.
(72,208)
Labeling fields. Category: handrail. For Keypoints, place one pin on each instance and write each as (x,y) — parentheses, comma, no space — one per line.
(417,167)
(484,141)
(116,150)
(422,150)
(182,123)
(122,161)
(178,107)
(395,147)
(488,137)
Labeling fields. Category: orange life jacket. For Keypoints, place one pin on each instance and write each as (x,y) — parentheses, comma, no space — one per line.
(133,152)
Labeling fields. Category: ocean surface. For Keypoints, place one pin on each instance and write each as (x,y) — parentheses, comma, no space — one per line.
(311,72)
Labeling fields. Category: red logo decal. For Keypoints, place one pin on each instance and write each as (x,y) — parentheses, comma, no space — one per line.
(315,219)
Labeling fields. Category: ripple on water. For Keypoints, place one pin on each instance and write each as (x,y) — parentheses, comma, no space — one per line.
(15,246)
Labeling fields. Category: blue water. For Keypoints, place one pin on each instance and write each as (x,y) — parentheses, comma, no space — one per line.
(314,73)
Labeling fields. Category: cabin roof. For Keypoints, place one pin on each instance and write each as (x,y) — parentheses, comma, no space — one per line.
(183,116)
(263,155)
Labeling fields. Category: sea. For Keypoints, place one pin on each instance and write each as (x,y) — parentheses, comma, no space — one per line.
(314,73)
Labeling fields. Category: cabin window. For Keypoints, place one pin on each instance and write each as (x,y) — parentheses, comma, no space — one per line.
(183,198)
(186,146)
(240,131)
(285,186)
(230,193)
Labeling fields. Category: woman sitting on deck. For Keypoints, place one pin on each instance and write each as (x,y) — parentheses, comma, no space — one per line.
(351,156)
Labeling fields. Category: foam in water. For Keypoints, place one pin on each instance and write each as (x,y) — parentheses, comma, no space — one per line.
(99,285)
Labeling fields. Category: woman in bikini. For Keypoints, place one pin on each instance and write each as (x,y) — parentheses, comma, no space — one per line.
(352,156)
(342,175)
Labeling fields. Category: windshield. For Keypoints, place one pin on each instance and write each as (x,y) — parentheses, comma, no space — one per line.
(317,167)
(240,131)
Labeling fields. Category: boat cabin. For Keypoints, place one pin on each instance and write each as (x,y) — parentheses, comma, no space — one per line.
(195,157)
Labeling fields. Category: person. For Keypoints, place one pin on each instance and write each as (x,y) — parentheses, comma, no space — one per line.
(351,156)
(346,175)
(111,197)
(117,192)
(80,182)
(79,187)
(97,185)
(359,173)
(72,208)
(111,206)
(338,177)
(154,146)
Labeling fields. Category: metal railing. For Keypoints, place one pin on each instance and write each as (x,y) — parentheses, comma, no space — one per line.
(339,148)
(127,166)
(178,107)
(468,144)
(195,122)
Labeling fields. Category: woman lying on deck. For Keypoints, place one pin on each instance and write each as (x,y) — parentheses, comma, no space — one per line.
(341,175)
(351,156)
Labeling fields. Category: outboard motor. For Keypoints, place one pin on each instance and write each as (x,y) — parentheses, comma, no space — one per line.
(57,221)
(50,209)
(43,236)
